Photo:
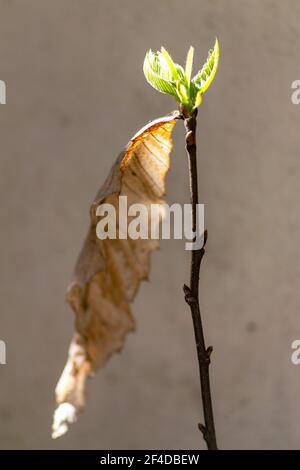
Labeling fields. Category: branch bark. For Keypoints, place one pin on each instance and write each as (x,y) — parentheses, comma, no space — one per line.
(192,292)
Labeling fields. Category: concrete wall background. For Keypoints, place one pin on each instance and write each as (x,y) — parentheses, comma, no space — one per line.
(75,95)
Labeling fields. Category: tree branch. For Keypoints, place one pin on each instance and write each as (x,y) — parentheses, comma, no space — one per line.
(192,292)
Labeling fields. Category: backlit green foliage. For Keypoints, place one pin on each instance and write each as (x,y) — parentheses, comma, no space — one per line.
(168,77)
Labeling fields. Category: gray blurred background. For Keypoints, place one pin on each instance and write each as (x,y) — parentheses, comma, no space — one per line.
(75,95)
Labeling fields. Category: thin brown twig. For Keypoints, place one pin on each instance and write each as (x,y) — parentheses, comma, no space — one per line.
(192,292)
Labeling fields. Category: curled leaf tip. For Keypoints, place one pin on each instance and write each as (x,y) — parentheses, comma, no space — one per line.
(64,415)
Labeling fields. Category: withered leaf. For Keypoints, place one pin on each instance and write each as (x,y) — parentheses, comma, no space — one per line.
(108,272)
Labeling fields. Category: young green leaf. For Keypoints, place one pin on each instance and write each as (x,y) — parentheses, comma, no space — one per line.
(205,76)
(163,74)
(198,100)
(182,93)
(189,64)
(172,67)
(157,75)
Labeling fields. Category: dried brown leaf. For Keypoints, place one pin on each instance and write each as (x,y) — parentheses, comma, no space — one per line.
(108,272)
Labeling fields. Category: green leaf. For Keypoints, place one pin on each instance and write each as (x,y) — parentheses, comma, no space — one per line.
(172,67)
(198,100)
(182,93)
(205,76)
(189,64)
(156,74)
(163,74)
